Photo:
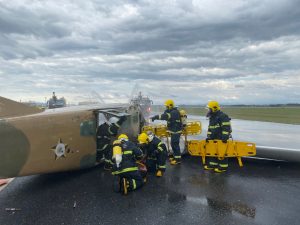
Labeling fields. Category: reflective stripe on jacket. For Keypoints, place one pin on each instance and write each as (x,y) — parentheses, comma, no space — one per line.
(131,153)
(219,126)
(173,118)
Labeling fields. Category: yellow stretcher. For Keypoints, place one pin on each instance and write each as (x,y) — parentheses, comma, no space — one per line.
(216,148)
(160,130)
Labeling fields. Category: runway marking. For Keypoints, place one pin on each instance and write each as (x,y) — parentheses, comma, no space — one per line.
(5,185)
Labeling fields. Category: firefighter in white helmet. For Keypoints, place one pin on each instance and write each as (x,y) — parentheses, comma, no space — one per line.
(105,131)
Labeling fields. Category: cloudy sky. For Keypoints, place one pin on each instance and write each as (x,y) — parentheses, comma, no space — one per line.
(237,51)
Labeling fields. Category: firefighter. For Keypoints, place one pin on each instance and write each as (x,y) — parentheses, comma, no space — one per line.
(219,128)
(128,176)
(105,131)
(174,125)
(156,153)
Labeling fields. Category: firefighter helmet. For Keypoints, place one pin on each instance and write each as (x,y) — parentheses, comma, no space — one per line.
(123,137)
(113,119)
(213,105)
(101,119)
(143,138)
(182,112)
(169,103)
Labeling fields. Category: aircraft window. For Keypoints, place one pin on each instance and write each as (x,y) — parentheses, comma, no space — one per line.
(87,128)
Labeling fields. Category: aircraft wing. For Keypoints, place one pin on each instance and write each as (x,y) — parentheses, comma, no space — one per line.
(273,140)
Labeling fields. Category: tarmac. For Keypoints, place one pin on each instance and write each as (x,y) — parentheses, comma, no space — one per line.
(261,192)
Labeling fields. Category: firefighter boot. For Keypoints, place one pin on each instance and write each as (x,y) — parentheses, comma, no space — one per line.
(124,186)
(217,170)
(159,173)
(206,167)
(175,162)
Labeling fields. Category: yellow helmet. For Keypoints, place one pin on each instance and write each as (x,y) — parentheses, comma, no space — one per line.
(182,112)
(123,137)
(213,105)
(143,138)
(116,142)
(169,103)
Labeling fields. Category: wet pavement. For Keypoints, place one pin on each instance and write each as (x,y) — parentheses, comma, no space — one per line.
(262,192)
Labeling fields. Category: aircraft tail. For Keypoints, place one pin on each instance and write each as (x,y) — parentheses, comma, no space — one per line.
(10,108)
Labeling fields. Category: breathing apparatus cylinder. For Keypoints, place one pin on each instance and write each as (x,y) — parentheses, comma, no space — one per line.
(117,154)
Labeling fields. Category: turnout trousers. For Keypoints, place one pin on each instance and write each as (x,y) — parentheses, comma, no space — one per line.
(157,163)
(134,179)
(175,138)
(214,162)
(104,150)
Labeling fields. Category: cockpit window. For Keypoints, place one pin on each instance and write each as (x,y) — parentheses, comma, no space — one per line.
(87,128)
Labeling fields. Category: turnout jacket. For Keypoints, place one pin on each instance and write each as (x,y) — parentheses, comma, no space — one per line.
(219,126)
(156,146)
(108,130)
(173,118)
(130,153)
(105,132)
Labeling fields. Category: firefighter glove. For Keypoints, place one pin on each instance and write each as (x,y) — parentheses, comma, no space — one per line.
(156,117)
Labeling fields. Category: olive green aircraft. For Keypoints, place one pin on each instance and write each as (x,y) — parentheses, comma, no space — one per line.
(33,141)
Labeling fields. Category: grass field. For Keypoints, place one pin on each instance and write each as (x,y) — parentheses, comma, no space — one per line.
(289,115)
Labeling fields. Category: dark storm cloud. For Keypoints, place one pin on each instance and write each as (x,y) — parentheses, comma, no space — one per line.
(25,21)
(238,49)
(69,45)
(263,23)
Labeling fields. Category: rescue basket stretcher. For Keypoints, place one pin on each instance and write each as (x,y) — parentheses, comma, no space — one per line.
(160,130)
(216,148)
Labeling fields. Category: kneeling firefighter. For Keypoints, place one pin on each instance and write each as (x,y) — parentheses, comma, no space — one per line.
(219,128)
(105,131)
(128,176)
(156,152)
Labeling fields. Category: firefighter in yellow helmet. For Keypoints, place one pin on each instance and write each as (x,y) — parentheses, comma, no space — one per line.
(174,125)
(126,153)
(219,128)
(155,151)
